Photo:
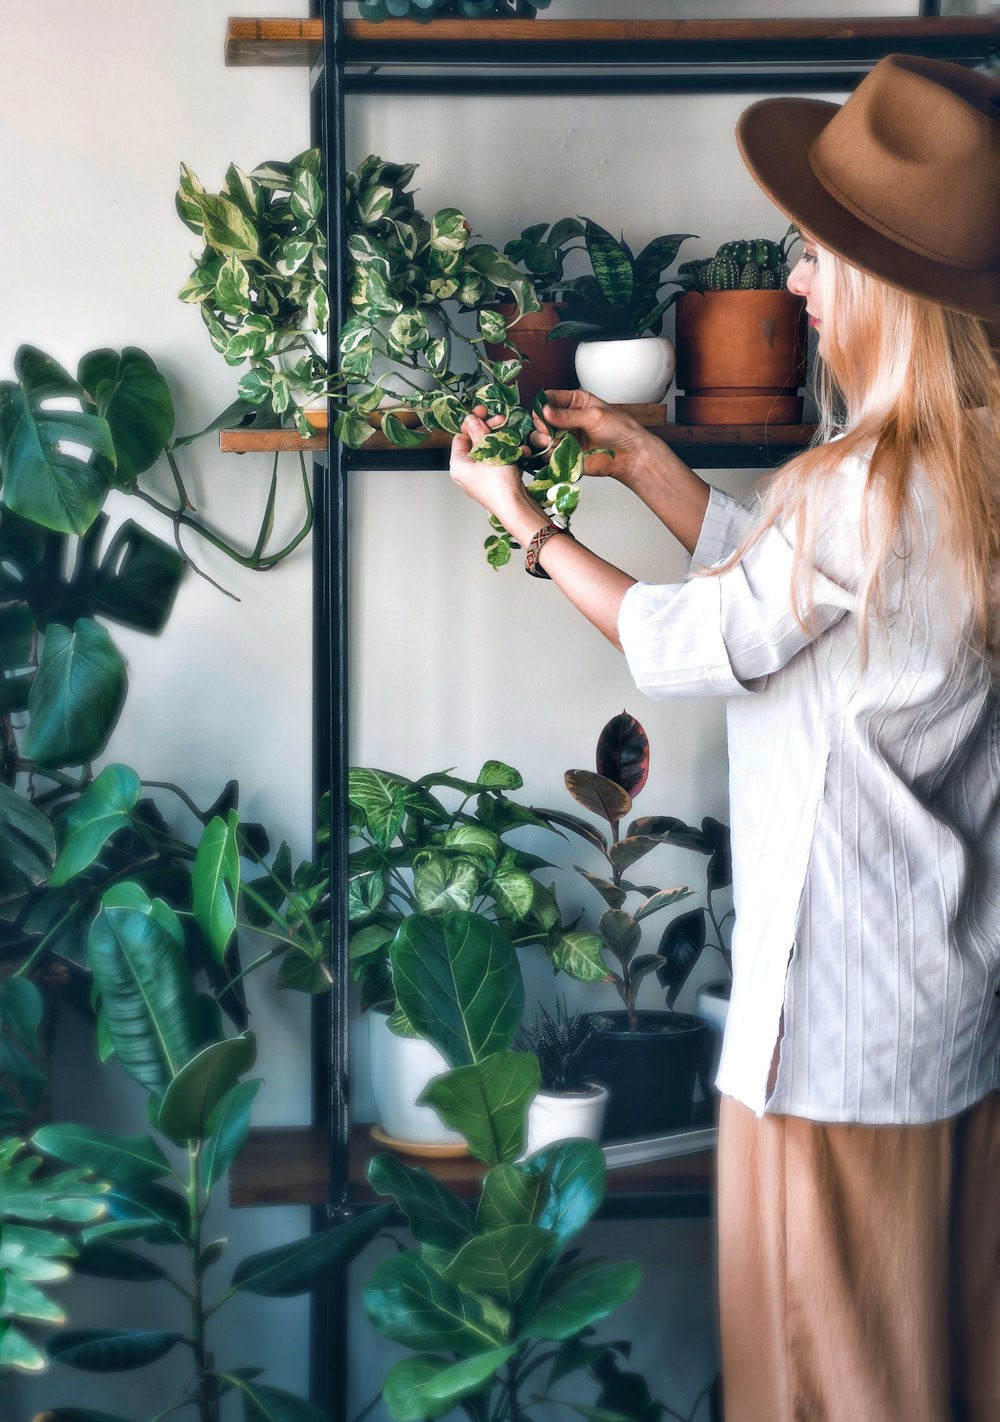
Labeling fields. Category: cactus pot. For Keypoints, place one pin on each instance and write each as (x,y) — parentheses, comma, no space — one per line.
(637,371)
(548,364)
(651,1073)
(741,357)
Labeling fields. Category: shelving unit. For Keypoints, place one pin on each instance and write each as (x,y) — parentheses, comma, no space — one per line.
(324,1165)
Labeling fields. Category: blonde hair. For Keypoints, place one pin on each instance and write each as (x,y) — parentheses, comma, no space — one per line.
(902,382)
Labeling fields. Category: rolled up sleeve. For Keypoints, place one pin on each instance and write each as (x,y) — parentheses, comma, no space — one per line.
(723,635)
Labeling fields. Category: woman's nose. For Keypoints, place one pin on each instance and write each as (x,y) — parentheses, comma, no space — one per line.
(798,279)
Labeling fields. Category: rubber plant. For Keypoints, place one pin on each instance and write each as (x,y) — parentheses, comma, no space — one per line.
(496,1306)
(168,1035)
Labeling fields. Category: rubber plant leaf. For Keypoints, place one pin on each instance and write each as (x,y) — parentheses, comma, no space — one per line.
(623,753)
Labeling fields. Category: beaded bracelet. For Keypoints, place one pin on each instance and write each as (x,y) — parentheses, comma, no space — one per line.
(538,542)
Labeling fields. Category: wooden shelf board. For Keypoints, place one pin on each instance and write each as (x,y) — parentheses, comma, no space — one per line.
(299,42)
(677,436)
(288,1165)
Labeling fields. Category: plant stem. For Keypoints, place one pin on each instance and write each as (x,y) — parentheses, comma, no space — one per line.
(208,1391)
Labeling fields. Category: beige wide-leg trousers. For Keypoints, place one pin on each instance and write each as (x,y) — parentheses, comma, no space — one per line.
(859,1269)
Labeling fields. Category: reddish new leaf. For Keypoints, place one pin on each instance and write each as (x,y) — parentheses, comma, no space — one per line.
(623,753)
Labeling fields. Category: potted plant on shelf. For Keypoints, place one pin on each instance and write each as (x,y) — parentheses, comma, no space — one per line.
(489,1294)
(413,855)
(616,312)
(541,252)
(741,337)
(648,1057)
(426,10)
(570,1103)
(260,279)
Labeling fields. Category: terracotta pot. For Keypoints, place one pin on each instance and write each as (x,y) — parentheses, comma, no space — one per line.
(548,364)
(741,357)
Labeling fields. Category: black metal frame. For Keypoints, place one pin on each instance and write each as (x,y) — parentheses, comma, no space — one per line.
(845,64)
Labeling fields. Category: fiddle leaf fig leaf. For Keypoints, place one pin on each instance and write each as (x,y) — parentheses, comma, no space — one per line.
(502,1262)
(435,1214)
(409,1302)
(77,695)
(458,980)
(487,1103)
(584,1299)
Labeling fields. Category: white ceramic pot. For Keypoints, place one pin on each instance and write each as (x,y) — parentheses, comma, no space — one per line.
(634,372)
(553,1117)
(713,1005)
(400,1068)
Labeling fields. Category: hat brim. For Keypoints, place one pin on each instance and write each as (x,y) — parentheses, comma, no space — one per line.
(775,136)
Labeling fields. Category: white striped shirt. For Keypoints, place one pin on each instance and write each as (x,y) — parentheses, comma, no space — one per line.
(865,808)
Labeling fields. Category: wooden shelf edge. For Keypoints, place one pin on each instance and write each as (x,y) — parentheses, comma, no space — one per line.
(280,42)
(651,416)
(288,1165)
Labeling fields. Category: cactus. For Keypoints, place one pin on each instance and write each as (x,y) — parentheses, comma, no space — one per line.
(722,274)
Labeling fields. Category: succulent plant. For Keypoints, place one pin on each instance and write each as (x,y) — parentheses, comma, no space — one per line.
(564,1045)
(747,264)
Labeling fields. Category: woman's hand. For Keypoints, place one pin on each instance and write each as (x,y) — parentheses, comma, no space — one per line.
(596,424)
(498,487)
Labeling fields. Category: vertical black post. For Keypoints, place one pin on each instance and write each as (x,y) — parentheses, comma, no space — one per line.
(330,740)
(929,8)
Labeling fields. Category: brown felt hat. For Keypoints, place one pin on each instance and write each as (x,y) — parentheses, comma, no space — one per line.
(902,180)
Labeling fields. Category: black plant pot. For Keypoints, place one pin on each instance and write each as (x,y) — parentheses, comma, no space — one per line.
(651,1073)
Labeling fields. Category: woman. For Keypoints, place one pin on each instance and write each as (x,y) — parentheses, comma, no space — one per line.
(851,624)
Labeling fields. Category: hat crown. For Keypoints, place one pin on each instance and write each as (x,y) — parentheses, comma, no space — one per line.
(919,161)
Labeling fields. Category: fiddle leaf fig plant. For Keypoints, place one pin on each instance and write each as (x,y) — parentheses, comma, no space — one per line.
(494,1304)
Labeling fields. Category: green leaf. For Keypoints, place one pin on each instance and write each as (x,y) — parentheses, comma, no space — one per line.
(216,882)
(200,1085)
(435,1215)
(79,1414)
(104,808)
(227,1131)
(42,481)
(136,1158)
(152,1212)
(612,895)
(294,1268)
(458,980)
(102,1260)
(270,1404)
(621,933)
(22,1077)
(612,263)
(18,1352)
(77,695)
(575,1172)
(510,1195)
(232,288)
(513,889)
(382,799)
(226,228)
(410,1303)
(581,956)
(584,1298)
(398,433)
(501,1263)
(428,1386)
(136,951)
(27,844)
(134,399)
(109,1351)
(17,635)
(441,884)
(487,1103)
(138,579)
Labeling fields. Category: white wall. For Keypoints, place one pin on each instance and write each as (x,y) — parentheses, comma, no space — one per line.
(451,662)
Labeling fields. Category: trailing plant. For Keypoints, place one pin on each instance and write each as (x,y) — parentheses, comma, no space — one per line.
(496,1307)
(416,856)
(609,792)
(748,264)
(427,10)
(620,297)
(260,279)
(565,1046)
(168,1036)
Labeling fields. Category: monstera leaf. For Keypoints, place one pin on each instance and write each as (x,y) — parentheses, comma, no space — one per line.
(42,480)
(133,397)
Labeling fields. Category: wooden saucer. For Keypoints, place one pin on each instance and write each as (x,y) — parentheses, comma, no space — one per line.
(441,1152)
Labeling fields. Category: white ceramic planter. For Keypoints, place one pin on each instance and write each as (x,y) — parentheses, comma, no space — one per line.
(400,1069)
(713,1005)
(552,1117)
(634,372)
